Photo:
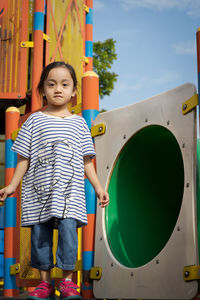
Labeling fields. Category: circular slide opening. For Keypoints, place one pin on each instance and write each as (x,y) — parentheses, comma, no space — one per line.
(146,189)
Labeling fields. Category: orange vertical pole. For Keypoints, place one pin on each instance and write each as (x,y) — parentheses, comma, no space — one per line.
(198,56)
(10,288)
(37,52)
(198,82)
(198,62)
(89,35)
(90,109)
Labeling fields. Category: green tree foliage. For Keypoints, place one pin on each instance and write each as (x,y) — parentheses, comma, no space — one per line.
(103,56)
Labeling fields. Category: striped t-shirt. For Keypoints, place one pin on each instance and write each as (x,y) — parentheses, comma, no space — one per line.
(53,186)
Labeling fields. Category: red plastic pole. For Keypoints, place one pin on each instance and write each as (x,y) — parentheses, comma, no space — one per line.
(10,288)
(37,52)
(89,35)
(90,109)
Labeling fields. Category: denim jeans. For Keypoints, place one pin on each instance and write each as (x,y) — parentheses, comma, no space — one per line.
(42,242)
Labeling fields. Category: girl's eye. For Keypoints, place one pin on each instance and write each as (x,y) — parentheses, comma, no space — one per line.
(51,84)
(65,84)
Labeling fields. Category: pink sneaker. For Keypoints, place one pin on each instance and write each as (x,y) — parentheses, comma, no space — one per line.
(43,291)
(68,290)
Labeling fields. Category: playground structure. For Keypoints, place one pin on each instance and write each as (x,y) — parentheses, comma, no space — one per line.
(35,33)
(150,172)
(146,240)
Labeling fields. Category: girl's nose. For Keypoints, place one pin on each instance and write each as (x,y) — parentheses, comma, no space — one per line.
(58,88)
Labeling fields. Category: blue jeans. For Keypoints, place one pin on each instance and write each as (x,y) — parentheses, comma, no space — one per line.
(42,242)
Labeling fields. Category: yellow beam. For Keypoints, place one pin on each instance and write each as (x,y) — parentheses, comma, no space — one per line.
(95,273)
(191,273)
(86,8)
(14,269)
(98,129)
(30,44)
(190,104)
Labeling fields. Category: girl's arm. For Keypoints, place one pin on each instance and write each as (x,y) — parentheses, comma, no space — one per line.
(21,168)
(92,176)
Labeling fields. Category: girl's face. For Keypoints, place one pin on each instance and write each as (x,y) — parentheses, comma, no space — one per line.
(59,87)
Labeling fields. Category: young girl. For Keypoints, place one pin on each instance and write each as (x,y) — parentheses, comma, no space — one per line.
(55,151)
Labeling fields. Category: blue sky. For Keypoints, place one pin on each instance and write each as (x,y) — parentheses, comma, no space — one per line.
(155,45)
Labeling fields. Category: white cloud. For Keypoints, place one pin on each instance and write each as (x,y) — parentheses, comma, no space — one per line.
(121,87)
(192,7)
(153,4)
(165,78)
(125,85)
(185,48)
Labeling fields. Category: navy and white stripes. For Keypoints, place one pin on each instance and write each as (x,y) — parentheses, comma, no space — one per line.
(53,186)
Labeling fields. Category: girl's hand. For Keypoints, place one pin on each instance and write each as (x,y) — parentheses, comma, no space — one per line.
(5,192)
(92,176)
(21,168)
(103,197)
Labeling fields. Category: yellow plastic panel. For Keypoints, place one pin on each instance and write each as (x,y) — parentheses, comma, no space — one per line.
(26,271)
(65,29)
(13,62)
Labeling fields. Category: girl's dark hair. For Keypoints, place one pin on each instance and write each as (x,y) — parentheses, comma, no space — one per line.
(48,68)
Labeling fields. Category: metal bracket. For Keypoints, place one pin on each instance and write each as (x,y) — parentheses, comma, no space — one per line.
(46,37)
(27,44)
(14,269)
(190,104)
(95,273)
(78,265)
(85,59)
(98,129)
(30,44)
(75,109)
(86,8)
(191,273)
(57,292)
(14,134)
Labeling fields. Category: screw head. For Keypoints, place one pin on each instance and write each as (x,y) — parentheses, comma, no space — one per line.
(187,274)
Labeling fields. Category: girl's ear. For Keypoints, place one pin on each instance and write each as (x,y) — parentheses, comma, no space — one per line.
(42,93)
(74,93)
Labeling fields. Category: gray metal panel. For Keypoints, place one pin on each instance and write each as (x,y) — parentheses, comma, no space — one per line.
(161,278)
